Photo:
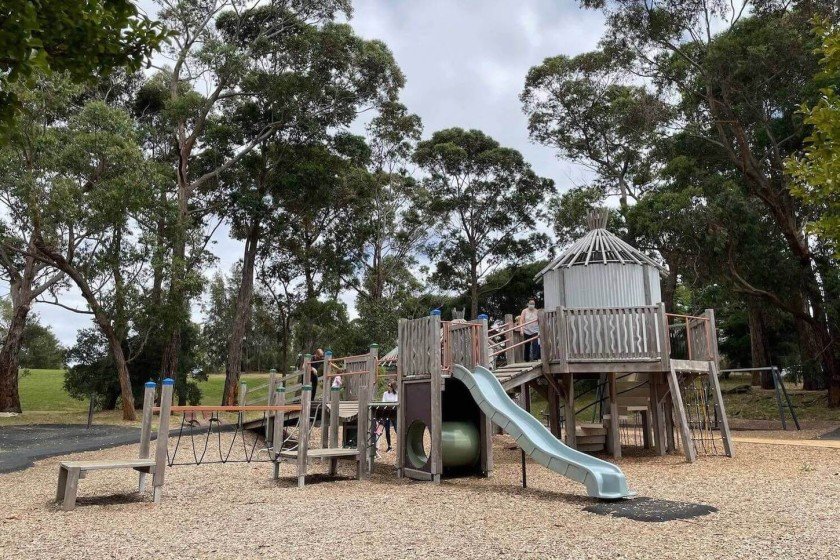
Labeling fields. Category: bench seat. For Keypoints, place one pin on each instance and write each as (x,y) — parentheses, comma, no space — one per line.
(70,472)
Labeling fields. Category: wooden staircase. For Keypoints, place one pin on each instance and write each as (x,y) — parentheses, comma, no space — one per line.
(591,437)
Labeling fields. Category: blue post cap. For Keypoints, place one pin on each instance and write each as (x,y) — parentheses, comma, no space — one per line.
(328,353)
(169,381)
(335,388)
(436,312)
(150,384)
(306,388)
(482,316)
(374,345)
(280,389)
(272,370)
(307,356)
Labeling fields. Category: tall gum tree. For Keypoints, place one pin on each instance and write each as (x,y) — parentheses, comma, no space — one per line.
(315,86)
(214,45)
(486,203)
(739,72)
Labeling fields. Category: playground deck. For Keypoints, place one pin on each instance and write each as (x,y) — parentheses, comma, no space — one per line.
(774,501)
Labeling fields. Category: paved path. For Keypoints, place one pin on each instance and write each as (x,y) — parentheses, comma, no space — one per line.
(21,446)
(824,443)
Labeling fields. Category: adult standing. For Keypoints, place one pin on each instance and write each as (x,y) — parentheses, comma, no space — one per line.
(317,369)
(390,396)
(530,330)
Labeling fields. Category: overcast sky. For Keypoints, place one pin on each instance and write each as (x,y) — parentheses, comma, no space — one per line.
(465,63)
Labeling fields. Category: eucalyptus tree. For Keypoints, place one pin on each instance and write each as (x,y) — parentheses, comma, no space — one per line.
(486,203)
(307,93)
(216,46)
(737,73)
(24,165)
(390,229)
(56,36)
(816,170)
(584,107)
(309,255)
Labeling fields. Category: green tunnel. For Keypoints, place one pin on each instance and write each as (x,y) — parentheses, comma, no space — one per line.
(459,444)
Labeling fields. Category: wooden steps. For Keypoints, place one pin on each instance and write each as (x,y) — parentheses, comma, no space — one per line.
(590,437)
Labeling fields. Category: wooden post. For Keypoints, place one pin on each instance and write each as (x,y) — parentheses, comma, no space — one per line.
(367,452)
(664,337)
(401,428)
(325,396)
(279,421)
(162,442)
(657,413)
(436,387)
(335,400)
(676,395)
(303,419)
(146,428)
(725,435)
(615,436)
(272,381)
(509,356)
(569,413)
(485,425)
(552,394)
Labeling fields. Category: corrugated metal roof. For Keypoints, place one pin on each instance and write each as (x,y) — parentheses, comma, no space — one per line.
(600,246)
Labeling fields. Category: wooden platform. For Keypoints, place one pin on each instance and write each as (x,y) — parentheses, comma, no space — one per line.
(322,453)
(518,374)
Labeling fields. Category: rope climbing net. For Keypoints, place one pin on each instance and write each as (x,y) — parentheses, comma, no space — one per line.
(216,435)
(701,414)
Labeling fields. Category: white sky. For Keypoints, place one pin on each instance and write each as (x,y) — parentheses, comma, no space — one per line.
(465,63)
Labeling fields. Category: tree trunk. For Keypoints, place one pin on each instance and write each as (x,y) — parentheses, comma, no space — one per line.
(759,345)
(9,394)
(474,291)
(241,317)
(57,260)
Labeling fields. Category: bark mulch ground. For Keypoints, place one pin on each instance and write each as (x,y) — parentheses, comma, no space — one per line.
(772,501)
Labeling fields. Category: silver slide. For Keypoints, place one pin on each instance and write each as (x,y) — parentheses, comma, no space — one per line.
(602,479)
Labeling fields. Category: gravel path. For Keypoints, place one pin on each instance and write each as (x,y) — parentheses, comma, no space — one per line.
(774,502)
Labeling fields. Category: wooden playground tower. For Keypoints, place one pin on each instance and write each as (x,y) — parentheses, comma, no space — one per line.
(605,331)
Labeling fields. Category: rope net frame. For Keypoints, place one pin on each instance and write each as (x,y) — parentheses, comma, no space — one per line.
(224,439)
(701,414)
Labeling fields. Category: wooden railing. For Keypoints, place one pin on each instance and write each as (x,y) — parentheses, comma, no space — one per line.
(604,334)
(691,337)
(258,394)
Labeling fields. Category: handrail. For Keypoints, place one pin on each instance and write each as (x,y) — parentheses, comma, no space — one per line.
(506,348)
(235,408)
(517,326)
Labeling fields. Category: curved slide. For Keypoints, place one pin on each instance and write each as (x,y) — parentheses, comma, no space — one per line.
(602,479)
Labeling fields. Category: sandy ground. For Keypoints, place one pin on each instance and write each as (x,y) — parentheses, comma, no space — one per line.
(773,501)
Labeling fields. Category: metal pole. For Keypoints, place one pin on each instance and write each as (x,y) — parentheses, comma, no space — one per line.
(524,472)
(776,383)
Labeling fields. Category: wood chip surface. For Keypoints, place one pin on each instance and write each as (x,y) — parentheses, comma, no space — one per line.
(774,501)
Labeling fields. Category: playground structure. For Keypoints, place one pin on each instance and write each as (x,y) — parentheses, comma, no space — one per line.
(654,376)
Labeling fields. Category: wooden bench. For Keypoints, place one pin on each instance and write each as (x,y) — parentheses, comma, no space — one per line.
(70,472)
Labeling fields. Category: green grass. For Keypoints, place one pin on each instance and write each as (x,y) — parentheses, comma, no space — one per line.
(44,400)
(43,390)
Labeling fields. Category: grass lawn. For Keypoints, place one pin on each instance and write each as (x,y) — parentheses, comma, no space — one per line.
(44,400)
